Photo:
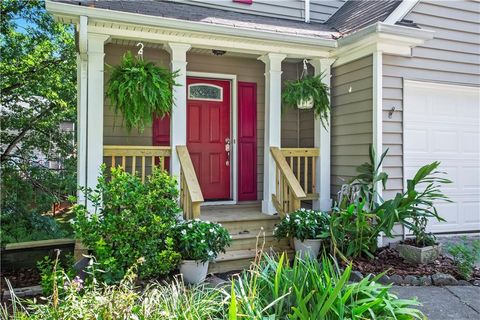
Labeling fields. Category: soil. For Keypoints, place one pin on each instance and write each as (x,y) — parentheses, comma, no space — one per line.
(20,278)
(389,259)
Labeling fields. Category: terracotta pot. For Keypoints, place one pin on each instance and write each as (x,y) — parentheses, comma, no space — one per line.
(193,271)
(305,103)
(418,255)
(307,248)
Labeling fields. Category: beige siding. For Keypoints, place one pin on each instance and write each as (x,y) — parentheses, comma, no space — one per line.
(453,56)
(246,69)
(351,124)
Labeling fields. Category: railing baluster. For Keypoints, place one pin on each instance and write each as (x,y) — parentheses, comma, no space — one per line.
(134,164)
(305,182)
(143,168)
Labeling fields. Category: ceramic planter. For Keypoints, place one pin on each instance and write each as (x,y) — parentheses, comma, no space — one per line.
(418,255)
(307,248)
(305,103)
(193,271)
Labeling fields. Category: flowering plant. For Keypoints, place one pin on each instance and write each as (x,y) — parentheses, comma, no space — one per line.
(200,240)
(304,224)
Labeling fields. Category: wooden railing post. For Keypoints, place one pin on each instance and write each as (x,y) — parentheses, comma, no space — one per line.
(191,196)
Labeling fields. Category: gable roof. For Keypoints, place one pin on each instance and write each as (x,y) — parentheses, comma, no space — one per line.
(355,15)
(352,16)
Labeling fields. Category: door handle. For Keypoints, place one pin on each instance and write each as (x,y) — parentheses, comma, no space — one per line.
(227,150)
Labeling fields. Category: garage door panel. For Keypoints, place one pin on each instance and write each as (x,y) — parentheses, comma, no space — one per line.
(442,123)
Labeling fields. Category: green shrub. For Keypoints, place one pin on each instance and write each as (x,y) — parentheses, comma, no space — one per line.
(464,255)
(53,272)
(304,224)
(307,289)
(133,222)
(353,232)
(200,240)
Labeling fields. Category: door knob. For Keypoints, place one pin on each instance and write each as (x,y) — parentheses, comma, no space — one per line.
(227,150)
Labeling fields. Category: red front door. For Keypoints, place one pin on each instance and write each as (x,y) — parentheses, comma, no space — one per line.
(208,133)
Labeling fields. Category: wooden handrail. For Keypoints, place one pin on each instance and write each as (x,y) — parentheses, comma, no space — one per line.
(149,156)
(190,193)
(289,192)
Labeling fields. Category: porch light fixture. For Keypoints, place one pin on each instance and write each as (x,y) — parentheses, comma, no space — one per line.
(218,52)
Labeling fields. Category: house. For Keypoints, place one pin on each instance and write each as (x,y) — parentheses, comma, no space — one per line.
(404,75)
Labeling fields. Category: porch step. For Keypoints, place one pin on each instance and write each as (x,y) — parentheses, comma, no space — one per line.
(250,230)
(237,260)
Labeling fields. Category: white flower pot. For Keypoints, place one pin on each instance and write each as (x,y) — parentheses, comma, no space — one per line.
(193,271)
(309,247)
(305,103)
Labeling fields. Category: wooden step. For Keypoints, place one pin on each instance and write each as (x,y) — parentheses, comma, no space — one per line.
(237,260)
(252,241)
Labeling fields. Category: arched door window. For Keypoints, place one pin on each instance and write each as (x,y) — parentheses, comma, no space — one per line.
(205,91)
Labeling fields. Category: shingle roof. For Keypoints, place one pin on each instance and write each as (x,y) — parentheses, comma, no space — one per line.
(353,15)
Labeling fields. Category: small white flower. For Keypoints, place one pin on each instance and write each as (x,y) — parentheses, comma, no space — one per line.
(202,241)
(212,230)
(190,225)
(184,232)
(210,253)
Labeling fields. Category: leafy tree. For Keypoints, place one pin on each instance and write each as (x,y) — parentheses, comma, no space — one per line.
(37,83)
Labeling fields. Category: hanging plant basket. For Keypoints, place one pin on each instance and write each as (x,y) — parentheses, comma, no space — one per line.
(140,91)
(306,93)
(305,103)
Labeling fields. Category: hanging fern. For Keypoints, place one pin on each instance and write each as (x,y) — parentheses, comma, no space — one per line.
(140,91)
(303,89)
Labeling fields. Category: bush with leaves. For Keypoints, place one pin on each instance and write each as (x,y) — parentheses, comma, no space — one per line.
(465,255)
(304,224)
(53,272)
(200,240)
(133,221)
(140,91)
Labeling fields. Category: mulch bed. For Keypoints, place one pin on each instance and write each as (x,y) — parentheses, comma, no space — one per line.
(20,278)
(389,259)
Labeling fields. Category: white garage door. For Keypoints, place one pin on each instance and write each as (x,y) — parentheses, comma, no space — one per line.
(442,122)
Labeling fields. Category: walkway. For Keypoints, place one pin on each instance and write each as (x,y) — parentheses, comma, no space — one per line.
(442,303)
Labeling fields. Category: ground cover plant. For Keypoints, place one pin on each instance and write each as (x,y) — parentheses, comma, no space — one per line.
(465,255)
(272,289)
(132,221)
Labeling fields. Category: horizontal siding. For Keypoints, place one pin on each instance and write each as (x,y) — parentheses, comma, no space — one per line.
(320,10)
(453,56)
(351,123)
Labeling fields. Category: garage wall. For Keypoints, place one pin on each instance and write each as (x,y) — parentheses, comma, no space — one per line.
(351,122)
(453,56)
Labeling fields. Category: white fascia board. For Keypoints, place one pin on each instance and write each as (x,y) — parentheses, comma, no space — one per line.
(389,39)
(401,11)
(74,11)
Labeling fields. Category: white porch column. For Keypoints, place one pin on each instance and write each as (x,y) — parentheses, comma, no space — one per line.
(322,141)
(273,112)
(95,101)
(178,117)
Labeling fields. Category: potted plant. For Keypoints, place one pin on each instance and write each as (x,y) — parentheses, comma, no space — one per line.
(306,93)
(140,91)
(418,208)
(307,227)
(199,242)
(423,248)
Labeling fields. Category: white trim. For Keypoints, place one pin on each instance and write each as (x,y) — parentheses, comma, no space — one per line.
(390,39)
(233,128)
(73,11)
(307,11)
(401,11)
(322,140)
(206,85)
(273,124)
(377,120)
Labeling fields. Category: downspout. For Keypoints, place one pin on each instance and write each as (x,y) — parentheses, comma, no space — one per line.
(307,11)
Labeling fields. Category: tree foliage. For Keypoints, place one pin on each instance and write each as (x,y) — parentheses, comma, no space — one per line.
(38,93)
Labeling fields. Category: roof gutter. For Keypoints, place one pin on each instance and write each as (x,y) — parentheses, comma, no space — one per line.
(75,11)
